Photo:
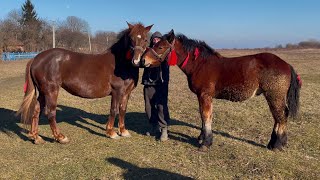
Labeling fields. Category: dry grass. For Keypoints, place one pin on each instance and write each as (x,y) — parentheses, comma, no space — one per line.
(241,131)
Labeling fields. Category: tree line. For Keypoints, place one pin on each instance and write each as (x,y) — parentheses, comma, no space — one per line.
(23,30)
(312,43)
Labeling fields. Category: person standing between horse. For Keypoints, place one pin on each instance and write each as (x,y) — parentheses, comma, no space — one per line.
(156,83)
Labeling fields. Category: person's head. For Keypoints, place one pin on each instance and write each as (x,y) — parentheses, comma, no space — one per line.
(155,37)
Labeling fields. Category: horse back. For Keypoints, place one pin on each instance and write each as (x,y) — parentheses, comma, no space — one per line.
(239,78)
(83,75)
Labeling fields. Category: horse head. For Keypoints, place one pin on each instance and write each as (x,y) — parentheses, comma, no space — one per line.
(154,56)
(138,35)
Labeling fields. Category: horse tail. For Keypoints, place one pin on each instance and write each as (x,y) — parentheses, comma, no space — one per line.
(293,94)
(29,101)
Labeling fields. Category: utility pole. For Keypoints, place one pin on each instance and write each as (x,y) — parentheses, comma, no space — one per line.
(89,41)
(53,35)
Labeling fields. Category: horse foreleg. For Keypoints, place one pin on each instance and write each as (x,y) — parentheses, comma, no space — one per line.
(34,131)
(51,111)
(122,112)
(279,133)
(114,109)
(205,108)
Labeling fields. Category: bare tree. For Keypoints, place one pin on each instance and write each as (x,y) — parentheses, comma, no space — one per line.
(73,34)
(103,40)
(11,32)
(312,43)
(45,36)
(75,41)
(75,24)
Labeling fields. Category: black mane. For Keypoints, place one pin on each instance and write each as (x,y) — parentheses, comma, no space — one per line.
(124,67)
(122,45)
(190,44)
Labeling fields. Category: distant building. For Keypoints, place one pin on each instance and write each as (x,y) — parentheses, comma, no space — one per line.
(17,47)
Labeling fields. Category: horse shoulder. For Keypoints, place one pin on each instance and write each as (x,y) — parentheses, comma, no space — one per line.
(204,77)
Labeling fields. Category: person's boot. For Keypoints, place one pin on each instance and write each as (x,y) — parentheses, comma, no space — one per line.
(164,134)
(153,130)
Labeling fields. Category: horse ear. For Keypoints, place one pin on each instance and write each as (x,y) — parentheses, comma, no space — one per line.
(171,36)
(148,28)
(129,25)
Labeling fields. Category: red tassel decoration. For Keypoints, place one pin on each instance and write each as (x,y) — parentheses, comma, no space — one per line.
(172,58)
(129,55)
(196,53)
(25,86)
(299,80)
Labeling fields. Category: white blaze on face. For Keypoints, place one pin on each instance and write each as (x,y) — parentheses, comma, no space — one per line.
(136,61)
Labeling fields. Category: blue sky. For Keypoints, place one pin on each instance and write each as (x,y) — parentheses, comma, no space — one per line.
(222,24)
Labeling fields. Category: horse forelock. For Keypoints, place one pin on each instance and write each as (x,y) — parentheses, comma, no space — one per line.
(137,29)
(124,38)
(190,45)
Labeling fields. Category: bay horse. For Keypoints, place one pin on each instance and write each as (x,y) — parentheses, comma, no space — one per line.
(114,73)
(210,75)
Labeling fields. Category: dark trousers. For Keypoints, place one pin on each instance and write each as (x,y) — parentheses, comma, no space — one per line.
(156,104)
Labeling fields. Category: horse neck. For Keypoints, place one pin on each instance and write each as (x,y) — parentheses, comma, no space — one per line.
(182,55)
(192,64)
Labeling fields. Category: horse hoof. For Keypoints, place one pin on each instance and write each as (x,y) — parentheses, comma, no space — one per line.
(125,134)
(38,140)
(114,136)
(275,148)
(65,140)
(203,148)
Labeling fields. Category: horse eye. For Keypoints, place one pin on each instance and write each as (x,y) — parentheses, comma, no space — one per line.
(160,47)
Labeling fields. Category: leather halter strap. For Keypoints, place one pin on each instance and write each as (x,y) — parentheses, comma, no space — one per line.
(137,48)
(163,56)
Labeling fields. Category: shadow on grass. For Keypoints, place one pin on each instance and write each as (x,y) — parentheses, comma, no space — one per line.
(136,122)
(134,172)
(8,124)
(227,135)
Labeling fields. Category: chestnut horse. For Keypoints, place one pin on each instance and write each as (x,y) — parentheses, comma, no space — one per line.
(211,75)
(114,73)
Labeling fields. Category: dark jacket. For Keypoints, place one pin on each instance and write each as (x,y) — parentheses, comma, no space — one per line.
(156,75)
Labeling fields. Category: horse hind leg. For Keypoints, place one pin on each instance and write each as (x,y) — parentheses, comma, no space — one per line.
(51,112)
(280,114)
(34,131)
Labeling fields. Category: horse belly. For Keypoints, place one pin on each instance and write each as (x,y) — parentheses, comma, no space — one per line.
(87,90)
(238,93)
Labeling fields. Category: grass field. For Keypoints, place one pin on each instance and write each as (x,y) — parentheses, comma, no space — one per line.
(241,132)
